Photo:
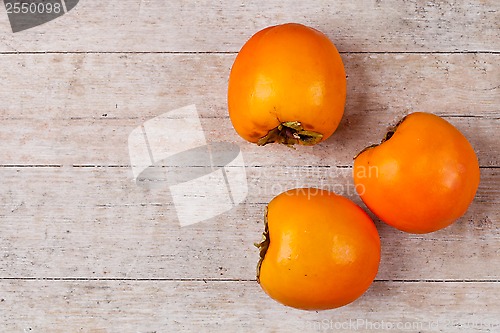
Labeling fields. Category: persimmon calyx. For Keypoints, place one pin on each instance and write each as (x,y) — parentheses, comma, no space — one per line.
(390,132)
(290,133)
(263,245)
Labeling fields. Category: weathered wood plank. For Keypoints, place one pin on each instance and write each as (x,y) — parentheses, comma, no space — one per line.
(70,214)
(142,86)
(222,26)
(104,141)
(239,306)
(94,222)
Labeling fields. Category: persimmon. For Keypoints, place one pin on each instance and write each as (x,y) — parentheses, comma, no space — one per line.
(421,178)
(287,85)
(319,251)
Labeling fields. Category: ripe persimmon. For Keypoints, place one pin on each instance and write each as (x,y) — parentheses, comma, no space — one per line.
(421,178)
(319,250)
(287,85)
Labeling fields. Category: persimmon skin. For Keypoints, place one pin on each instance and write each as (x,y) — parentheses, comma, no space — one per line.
(286,73)
(422,179)
(323,250)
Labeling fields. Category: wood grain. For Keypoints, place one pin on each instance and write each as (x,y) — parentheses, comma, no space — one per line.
(142,86)
(85,249)
(69,142)
(239,306)
(112,94)
(95,222)
(223,26)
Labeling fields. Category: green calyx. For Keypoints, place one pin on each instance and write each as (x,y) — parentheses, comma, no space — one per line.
(390,132)
(290,133)
(263,245)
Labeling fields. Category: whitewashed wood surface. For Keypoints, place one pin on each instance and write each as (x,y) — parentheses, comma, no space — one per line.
(83,249)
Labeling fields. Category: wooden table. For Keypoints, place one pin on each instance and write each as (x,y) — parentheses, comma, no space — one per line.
(84,249)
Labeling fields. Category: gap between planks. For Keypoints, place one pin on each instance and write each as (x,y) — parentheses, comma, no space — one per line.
(232,280)
(234,52)
(486,167)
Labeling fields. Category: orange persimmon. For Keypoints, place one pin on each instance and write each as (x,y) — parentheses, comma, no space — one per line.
(421,178)
(319,251)
(287,85)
